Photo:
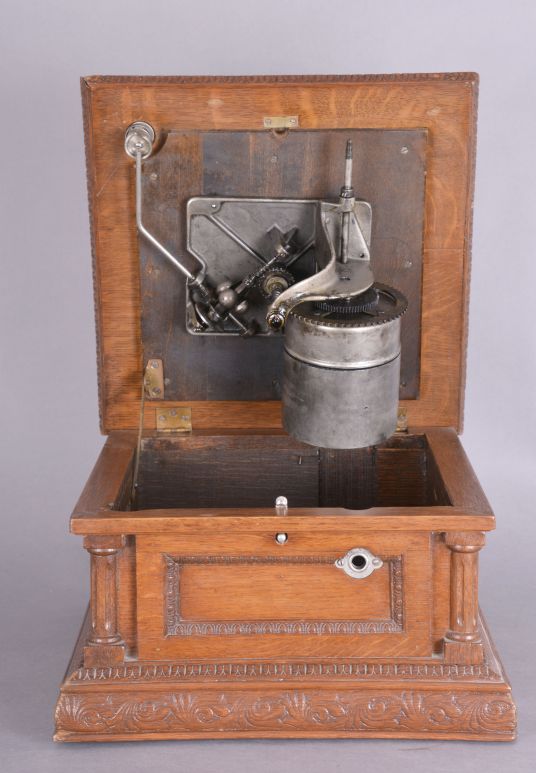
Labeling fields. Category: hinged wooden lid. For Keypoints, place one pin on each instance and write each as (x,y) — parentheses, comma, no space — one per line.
(442,104)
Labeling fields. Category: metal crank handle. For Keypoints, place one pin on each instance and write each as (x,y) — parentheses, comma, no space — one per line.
(139,142)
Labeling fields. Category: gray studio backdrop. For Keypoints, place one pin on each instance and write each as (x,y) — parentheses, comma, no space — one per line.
(50,435)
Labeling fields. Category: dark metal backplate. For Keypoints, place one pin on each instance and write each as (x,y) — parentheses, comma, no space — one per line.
(389,172)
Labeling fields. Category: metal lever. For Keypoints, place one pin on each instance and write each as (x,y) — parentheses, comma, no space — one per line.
(343,254)
(139,142)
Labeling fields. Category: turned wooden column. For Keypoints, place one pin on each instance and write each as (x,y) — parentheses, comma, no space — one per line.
(462,643)
(104,645)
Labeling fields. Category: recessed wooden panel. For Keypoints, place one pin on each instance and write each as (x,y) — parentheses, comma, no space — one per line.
(280,591)
(444,105)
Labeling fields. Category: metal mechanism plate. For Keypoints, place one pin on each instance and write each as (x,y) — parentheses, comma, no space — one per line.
(174,419)
(232,236)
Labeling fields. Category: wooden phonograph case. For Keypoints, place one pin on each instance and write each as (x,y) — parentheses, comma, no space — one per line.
(278,546)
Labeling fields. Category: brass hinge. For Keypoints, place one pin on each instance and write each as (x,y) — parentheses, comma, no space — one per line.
(174,419)
(281,122)
(402,421)
(153,380)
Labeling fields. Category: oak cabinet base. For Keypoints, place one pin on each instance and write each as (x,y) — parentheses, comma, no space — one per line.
(202,624)
(309,698)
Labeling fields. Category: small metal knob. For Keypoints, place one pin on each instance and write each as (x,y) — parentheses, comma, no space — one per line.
(139,138)
(281,505)
(281,537)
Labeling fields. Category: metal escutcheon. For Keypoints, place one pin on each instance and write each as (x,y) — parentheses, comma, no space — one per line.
(359,563)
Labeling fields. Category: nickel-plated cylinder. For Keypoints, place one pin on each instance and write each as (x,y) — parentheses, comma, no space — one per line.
(341,376)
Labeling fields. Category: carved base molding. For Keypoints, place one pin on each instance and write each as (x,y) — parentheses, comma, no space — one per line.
(287,713)
(308,699)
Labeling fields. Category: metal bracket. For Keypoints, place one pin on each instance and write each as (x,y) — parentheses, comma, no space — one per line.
(402,420)
(174,419)
(153,380)
(281,122)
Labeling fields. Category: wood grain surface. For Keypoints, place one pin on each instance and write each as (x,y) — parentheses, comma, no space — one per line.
(281,600)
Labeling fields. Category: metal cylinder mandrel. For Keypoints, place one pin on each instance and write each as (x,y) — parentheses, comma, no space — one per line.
(342,372)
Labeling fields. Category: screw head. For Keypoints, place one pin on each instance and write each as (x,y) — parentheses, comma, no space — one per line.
(281,537)
(276,320)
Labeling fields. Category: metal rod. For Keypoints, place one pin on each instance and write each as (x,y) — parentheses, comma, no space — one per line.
(347,192)
(194,278)
(345,236)
(349,164)
(138,445)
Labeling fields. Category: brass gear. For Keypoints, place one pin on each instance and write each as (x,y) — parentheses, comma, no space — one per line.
(274,281)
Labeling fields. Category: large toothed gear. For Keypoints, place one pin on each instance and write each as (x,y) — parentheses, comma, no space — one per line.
(376,306)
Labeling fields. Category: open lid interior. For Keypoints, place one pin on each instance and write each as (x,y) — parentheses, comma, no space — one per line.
(413,139)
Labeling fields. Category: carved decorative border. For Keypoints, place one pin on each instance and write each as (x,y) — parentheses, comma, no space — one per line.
(301,79)
(176,626)
(366,712)
(296,671)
